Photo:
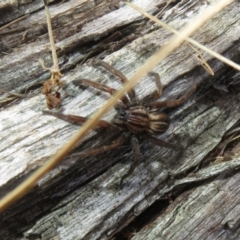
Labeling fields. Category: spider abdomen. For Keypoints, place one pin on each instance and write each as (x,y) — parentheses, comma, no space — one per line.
(158,123)
(136,119)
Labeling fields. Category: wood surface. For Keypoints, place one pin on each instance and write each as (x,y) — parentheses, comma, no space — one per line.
(169,195)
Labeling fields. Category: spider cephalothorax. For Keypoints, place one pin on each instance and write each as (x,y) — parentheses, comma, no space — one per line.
(132,117)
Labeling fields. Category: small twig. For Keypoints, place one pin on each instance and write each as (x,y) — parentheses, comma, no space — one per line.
(13,93)
(7,100)
(16,20)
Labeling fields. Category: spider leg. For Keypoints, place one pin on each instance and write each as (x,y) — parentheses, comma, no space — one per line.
(158,84)
(102,87)
(136,153)
(131,93)
(77,119)
(123,138)
(162,143)
(157,94)
(174,102)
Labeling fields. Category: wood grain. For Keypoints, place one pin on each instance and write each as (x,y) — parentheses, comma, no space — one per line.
(81,199)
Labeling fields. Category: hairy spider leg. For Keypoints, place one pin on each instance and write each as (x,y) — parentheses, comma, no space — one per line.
(131,93)
(158,84)
(157,94)
(174,102)
(137,154)
(161,143)
(94,151)
(102,87)
(77,119)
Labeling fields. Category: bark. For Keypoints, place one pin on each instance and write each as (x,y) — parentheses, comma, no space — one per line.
(169,195)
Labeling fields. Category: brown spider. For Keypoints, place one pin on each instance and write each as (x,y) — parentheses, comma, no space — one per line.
(132,117)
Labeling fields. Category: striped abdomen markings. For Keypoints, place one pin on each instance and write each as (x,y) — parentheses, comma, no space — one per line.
(158,123)
(136,119)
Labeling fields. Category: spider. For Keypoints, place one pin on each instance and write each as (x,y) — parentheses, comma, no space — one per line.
(134,118)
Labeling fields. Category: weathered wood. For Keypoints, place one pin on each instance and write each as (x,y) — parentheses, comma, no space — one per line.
(80,199)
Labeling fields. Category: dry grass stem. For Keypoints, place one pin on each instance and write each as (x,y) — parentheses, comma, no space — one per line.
(51,38)
(27,185)
(211,52)
(52,86)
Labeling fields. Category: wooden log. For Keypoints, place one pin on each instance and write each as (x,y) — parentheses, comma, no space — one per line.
(81,198)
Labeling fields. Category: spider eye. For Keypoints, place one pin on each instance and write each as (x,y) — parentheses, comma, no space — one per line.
(121,114)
